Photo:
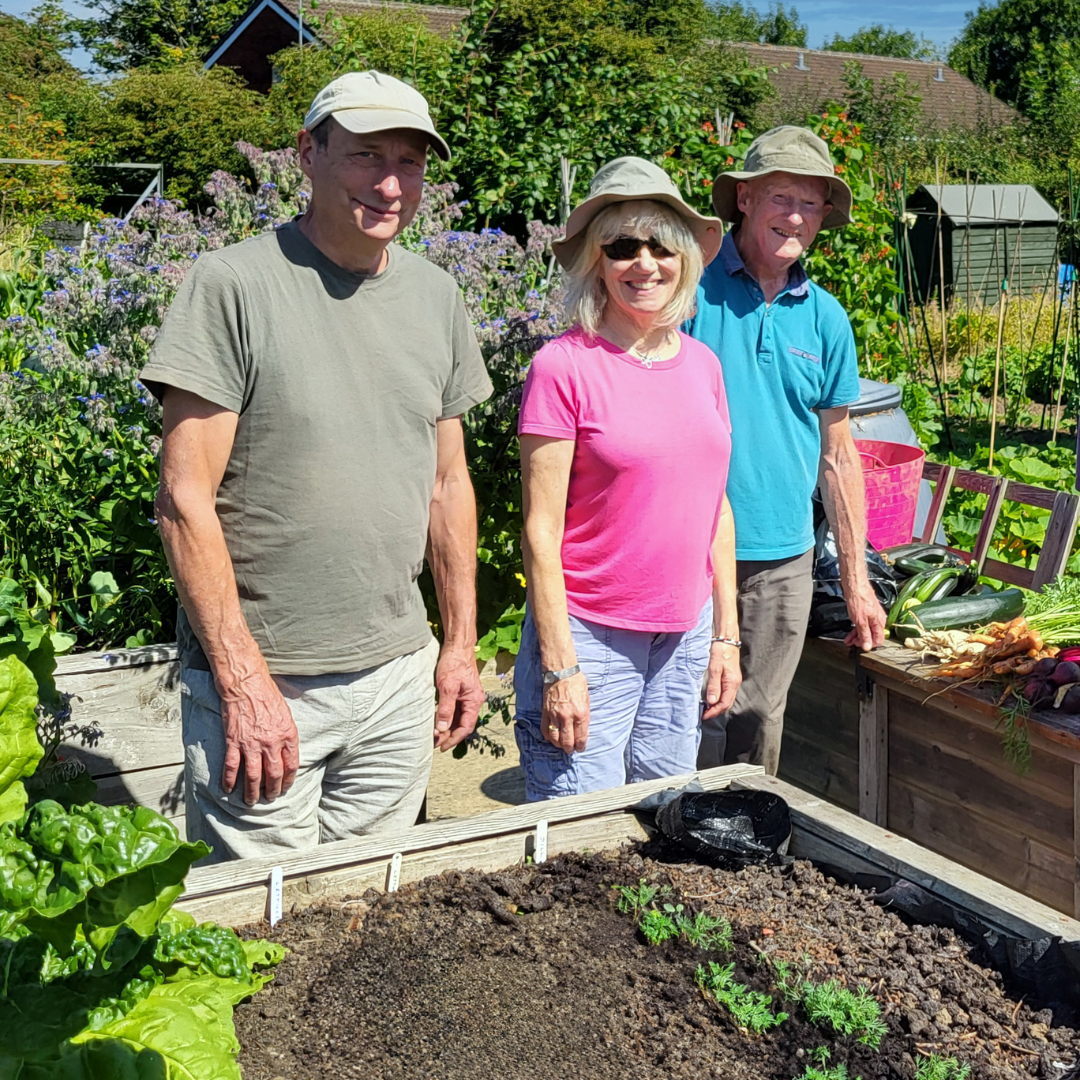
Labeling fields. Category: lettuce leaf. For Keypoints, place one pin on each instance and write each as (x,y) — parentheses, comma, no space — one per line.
(20,750)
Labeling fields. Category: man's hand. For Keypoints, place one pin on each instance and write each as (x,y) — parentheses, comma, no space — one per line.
(460,696)
(725,678)
(867,617)
(565,718)
(259,729)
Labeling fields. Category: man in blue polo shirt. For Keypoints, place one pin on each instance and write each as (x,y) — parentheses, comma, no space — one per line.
(791,372)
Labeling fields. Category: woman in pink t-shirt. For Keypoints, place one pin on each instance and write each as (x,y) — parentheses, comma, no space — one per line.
(629,541)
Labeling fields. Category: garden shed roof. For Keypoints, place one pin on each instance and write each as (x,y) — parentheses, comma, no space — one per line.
(808,78)
(985,204)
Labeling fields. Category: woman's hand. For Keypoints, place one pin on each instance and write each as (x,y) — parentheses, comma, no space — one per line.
(725,677)
(565,720)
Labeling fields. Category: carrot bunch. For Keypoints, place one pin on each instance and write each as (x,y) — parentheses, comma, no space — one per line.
(1011,648)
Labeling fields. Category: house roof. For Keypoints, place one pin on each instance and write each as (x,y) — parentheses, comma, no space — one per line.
(983,204)
(947,96)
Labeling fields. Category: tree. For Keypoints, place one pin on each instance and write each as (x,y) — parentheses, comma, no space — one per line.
(879,40)
(1009,48)
(184,117)
(157,33)
(737,22)
(30,51)
(888,110)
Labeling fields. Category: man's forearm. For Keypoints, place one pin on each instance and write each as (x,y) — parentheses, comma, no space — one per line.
(452,558)
(206,583)
(843,494)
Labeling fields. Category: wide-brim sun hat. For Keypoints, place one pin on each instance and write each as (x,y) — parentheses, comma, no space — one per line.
(787,149)
(364,102)
(631,179)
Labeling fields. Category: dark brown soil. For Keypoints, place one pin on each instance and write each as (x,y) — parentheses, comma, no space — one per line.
(532,974)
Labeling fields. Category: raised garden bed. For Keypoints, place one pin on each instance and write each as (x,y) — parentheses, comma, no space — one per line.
(535,972)
(444,978)
(874,734)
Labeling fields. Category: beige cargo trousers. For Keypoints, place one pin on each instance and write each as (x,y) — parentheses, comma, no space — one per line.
(366,743)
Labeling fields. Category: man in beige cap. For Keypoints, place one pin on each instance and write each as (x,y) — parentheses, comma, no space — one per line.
(791,372)
(313,381)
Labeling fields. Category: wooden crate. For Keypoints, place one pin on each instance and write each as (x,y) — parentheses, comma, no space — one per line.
(926,760)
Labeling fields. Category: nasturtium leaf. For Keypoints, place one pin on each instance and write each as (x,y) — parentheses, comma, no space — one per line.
(20,750)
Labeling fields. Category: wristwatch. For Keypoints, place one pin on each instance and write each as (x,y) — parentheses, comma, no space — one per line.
(551,677)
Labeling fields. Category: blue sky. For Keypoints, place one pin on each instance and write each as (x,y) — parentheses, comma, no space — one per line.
(940,21)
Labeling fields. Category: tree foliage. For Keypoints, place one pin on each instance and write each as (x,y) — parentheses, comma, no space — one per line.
(1014,47)
(157,33)
(738,22)
(879,40)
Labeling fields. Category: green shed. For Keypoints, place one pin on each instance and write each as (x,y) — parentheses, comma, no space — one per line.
(987,233)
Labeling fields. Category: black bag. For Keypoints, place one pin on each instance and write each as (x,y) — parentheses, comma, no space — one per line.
(828,612)
(729,829)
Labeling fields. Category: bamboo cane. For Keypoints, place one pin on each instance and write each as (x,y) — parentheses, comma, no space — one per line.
(1064,362)
(997,366)
(941,287)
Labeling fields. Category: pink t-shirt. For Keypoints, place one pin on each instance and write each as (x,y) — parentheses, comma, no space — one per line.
(647,480)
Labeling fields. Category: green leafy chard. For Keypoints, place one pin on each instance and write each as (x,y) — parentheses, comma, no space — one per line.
(20,750)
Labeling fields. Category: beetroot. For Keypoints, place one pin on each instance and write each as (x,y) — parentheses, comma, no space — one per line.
(1045,666)
(1070,703)
(1071,652)
(1038,692)
(1066,672)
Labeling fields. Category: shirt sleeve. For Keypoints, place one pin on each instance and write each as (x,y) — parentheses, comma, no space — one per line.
(202,344)
(549,402)
(841,362)
(469,382)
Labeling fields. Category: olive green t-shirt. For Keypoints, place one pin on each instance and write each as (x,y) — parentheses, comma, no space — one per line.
(338,380)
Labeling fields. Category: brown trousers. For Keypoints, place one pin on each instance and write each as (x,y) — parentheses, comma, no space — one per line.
(774,608)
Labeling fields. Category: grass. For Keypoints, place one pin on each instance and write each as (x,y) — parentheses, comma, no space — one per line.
(751,1009)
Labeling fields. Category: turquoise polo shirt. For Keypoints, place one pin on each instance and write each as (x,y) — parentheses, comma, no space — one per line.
(782,362)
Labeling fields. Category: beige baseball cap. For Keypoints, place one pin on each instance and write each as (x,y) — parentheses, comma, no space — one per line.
(786,149)
(368,101)
(628,179)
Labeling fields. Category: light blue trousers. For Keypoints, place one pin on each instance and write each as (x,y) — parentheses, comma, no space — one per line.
(644,707)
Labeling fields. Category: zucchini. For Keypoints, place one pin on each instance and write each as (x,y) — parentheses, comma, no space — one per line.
(931,583)
(946,587)
(928,560)
(960,613)
(906,597)
(906,551)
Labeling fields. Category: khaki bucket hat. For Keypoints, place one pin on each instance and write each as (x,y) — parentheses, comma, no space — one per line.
(627,179)
(364,102)
(786,149)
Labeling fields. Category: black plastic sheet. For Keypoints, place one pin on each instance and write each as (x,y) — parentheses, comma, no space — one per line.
(730,829)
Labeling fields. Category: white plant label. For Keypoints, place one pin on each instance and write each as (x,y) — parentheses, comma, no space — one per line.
(275,895)
(540,847)
(393,881)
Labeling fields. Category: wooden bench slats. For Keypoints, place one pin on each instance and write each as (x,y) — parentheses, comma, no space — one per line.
(1064,508)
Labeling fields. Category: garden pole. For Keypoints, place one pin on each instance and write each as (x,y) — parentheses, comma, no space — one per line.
(997,366)
(1064,363)
(941,287)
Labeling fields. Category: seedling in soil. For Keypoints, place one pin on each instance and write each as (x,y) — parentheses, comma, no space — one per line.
(657,927)
(846,1013)
(941,1068)
(633,900)
(706,931)
(819,1067)
(750,1008)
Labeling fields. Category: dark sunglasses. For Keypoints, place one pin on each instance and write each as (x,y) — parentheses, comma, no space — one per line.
(627,247)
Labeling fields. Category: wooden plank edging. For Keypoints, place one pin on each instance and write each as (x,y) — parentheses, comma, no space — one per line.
(116,659)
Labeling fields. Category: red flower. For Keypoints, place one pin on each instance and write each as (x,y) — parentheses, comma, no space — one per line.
(738,125)
(730,161)
(707,183)
(707,126)
(838,169)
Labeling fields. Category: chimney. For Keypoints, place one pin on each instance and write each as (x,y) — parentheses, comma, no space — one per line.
(802,65)
(940,76)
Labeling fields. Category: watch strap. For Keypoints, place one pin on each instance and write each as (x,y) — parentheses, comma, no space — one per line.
(557,676)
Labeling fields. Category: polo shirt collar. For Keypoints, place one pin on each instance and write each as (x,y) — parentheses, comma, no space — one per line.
(798,284)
